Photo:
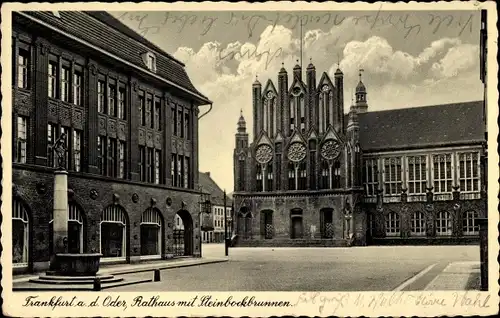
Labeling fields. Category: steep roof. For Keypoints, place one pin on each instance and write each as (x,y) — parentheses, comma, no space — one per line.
(416,127)
(210,186)
(108,33)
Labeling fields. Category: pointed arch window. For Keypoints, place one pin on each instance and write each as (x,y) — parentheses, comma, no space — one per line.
(292,115)
(325,175)
(241,174)
(302,112)
(302,175)
(20,234)
(269,176)
(113,233)
(291,176)
(259,176)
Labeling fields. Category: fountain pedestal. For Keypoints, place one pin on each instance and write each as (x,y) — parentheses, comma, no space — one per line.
(75,264)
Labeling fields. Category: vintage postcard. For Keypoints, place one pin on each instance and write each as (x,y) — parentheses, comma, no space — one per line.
(249,159)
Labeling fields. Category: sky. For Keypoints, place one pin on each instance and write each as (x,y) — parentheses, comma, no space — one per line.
(409,58)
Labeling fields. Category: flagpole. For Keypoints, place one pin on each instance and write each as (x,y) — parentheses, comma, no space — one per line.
(301,39)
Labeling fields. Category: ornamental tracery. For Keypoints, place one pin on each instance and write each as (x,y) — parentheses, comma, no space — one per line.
(296,152)
(264,154)
(330,149)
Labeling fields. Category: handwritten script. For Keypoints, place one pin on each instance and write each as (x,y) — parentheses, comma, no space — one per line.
(407,23)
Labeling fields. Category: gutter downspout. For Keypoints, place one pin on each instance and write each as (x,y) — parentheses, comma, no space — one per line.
(208,111)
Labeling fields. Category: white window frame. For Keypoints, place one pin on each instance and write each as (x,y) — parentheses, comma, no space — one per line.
(150,61)
(114,214)
(77,88)
(469,160)
(152,217)
(77,149)
(470,225)
(398,179)
(418,224)
(392,224)
(23,64)
(22,139)
(371,180)
(448,180)
(446,218)
(19,213)
(419,182)
(65,79)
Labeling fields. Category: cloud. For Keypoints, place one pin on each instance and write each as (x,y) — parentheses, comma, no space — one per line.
(440,73)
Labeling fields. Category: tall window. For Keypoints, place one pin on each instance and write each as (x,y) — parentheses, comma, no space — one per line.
(417,174)
(470,224)
(142,163)
(157,121)
(392,176)
(392,224)
(260,178)
(291,177)
(77,149)
(112,157)
(121,103)
(157,166)
(301,104)
(113,232)
(269,176)
(442,173)
(22,133)
(302,174)
(65,131)
(292,116)
(325,175)
(179,124)
(180,168)
(77,88)
(417,224)
(370,175)
(149,112)
(150,165)
(121,160)
(20,234)
(142,110)
(469,171)
(112,99)
(173,167)
(336,174)
(52,80)
(100,96)
(51,137)
(187,135)
(23,68)
(173,122)
(65,71)
(443,223)
(101,154)
(186,173)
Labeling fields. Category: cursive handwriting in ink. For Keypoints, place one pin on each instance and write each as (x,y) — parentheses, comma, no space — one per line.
(269,54)
(322,301)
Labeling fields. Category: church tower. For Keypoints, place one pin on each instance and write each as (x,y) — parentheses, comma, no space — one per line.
(361,104)
(339,87)
(257,108)
(239,157)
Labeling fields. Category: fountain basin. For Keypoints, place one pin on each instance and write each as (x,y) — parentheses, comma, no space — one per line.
(76,264)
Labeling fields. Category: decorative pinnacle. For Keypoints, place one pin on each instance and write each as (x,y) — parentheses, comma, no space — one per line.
(360,71)
(241,112)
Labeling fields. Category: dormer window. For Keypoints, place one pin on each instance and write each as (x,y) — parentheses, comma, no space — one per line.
(56,14)
(150,61)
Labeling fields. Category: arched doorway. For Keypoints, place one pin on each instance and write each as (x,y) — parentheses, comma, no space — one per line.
(76,230)
(151,233)
(245,223)
(326,223)
(296,225)
(113,233)
(20,234)
(183,234)
(266,224)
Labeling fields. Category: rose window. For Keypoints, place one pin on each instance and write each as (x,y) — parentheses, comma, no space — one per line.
(264,154)
(296,152)
(330,149)
(325,88)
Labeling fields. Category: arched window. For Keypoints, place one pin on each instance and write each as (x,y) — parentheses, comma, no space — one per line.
(259,176)
(325,175)
(269,176)
(151,229)
(113,232)
(75,230)
(291,176)
(417,224)
(20,234)
(470,224)
(443,223)
(302,174)
(392,226)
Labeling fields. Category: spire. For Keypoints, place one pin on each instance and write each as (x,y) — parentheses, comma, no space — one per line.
(301,40)
(256,80)
(311,65)
(242,125)
(361,103)
(282,67)
(338,72)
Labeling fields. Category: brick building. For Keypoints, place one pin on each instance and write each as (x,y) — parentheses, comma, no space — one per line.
(314,176)
(130,116)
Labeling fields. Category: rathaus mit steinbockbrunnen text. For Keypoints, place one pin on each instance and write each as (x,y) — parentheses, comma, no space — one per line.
(315,176)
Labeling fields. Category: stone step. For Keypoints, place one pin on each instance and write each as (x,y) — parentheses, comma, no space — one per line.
(70,281)
(29,286)
(52,276)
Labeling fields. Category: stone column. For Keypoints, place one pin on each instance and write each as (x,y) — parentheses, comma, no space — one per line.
(60,212)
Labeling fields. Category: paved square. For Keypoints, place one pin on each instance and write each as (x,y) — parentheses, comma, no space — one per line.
(311,269)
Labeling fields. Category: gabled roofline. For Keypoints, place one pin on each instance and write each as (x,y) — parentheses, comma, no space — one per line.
(142,70)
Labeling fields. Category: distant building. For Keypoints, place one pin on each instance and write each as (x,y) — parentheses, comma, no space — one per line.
(313,176)
(216,234)
(130,115)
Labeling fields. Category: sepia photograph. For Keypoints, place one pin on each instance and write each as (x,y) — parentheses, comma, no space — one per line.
(305,148)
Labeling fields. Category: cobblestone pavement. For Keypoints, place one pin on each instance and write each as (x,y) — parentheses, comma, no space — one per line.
(309,269)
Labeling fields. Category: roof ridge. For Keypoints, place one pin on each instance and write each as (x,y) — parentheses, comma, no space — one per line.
(422,106)
(147,42)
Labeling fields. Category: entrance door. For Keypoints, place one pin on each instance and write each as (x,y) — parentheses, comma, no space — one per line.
(297,231)
(179,249)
